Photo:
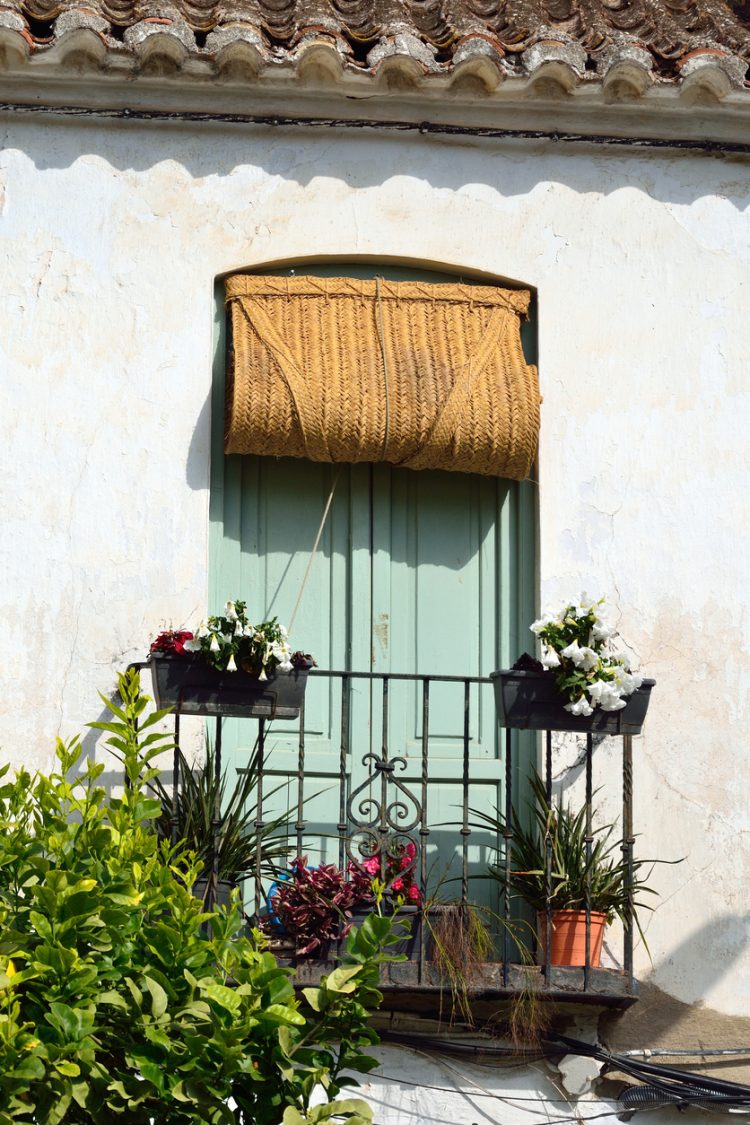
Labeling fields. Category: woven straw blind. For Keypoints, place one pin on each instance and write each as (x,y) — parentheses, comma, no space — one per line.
(425,376)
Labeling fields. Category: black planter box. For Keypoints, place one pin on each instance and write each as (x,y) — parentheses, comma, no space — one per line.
(531,701)
(195,688)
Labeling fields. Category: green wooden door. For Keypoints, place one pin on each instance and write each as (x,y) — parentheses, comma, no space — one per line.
(416,572)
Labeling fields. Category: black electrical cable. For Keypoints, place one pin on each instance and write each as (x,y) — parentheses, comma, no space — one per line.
(666,1085)
(689,1088)
(705,146)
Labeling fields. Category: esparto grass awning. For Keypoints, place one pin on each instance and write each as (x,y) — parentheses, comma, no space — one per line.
(424,376)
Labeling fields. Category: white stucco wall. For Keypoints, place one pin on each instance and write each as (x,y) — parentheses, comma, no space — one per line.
(110,240)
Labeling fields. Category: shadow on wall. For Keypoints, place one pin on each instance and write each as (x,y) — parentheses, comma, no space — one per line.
(362,159)
(697,965)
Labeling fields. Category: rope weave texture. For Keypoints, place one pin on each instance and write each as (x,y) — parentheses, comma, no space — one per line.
(424,376)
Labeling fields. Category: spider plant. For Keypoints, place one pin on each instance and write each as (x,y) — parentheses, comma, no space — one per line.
(575,875)
(235,838)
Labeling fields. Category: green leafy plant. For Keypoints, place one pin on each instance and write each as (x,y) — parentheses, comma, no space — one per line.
(577,643)
(310,905)
(121,1000)
(574,875)
(229,642)
(210,819)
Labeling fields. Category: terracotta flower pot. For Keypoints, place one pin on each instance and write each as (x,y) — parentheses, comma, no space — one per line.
(568,938)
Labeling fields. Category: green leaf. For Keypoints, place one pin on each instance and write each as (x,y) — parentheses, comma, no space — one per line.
(159,998)
(292,1116)
(313,997)
(342,979)
(65,1066)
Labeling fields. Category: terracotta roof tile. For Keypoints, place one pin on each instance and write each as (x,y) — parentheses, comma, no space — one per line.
(573,41)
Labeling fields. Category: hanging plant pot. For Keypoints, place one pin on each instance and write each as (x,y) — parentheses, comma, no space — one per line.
(222,895)
(531,701)
(568,937)
(195,688)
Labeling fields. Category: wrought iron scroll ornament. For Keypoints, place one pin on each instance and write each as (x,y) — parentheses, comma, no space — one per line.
(384,825)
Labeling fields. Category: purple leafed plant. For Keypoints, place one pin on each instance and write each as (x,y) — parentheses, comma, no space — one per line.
(314,905)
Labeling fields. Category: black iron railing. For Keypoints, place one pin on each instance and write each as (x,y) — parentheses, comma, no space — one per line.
(385,800)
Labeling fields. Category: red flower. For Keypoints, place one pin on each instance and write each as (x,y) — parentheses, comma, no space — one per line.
(171,640)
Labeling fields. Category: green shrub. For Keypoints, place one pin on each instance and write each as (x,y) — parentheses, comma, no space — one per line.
(114,1005)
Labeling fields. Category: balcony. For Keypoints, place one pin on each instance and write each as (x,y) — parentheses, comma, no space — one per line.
(384,763)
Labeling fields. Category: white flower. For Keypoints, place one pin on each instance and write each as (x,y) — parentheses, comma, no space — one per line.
(231,664)
(262,675)
(249,631)
(628,682)
(580,707)
(597,689)
(203,630)
(192,646)
(550,659)
(602,630)
(230,612)
(573,652)
(584,607)
(612,703)
(542,622)
(285,666)
(606,695)
(215,646)
(589,659)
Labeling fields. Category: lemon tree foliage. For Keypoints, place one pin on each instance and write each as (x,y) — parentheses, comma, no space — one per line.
(120,1001)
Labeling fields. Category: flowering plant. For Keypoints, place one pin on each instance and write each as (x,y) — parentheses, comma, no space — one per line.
(171,640)
(398,877)
(229,641)
(577,644)
(310,903)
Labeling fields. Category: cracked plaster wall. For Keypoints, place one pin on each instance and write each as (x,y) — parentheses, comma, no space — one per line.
(110,240)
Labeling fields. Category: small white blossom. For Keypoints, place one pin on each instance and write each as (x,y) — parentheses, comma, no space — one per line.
(609,697)
(550,659)
(215,646)
(602,630)
(612,703)
(596,689)
(589,659)
(203,630)
(580,707)
(573,652)
(286,666)
(192,646)
(231,664)
(628,682)
(547,618)
(584,607)
(230,612)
